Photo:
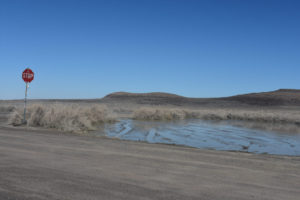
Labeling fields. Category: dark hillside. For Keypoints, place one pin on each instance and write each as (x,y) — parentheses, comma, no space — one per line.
(282,97)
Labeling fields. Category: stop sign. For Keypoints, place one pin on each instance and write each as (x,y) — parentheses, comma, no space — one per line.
(28,75)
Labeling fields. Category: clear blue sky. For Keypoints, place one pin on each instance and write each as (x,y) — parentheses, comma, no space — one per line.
(87,49)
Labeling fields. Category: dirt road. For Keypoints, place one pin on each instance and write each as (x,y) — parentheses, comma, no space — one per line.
(50,165)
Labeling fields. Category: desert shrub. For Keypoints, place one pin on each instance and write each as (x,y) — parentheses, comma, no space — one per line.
(7,108)
(267,116)
(72,118)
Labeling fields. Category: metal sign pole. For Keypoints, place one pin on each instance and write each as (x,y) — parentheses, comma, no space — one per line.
(25,102)
(27,76)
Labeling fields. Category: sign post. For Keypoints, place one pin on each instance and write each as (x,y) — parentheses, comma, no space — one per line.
(27,76)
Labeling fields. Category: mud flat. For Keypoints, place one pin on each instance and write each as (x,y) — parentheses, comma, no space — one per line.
(205,135)
(41,164)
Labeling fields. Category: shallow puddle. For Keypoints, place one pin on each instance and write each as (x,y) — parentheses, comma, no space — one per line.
(200,134)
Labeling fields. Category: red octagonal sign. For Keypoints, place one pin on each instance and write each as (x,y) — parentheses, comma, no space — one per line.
(28,75)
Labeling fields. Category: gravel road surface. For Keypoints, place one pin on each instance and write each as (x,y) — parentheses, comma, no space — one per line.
(43,164)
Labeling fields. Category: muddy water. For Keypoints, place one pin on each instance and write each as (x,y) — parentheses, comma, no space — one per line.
(200,134)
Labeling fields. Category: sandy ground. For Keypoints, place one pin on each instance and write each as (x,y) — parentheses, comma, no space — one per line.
(39,164)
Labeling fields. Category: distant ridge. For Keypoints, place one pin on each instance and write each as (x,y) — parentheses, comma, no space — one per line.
(153,94)
(153,98)
(273,98)
(281,97)
(288,90)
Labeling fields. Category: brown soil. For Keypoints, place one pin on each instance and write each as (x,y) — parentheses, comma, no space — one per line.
(40,165)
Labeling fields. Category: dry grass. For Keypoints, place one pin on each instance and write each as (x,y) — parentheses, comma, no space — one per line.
(268,116)
(7,108)
(87,117)
(272,120)
(71,118)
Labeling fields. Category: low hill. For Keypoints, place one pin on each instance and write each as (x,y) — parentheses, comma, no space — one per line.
(275,98)
(282,97)
(155,98)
